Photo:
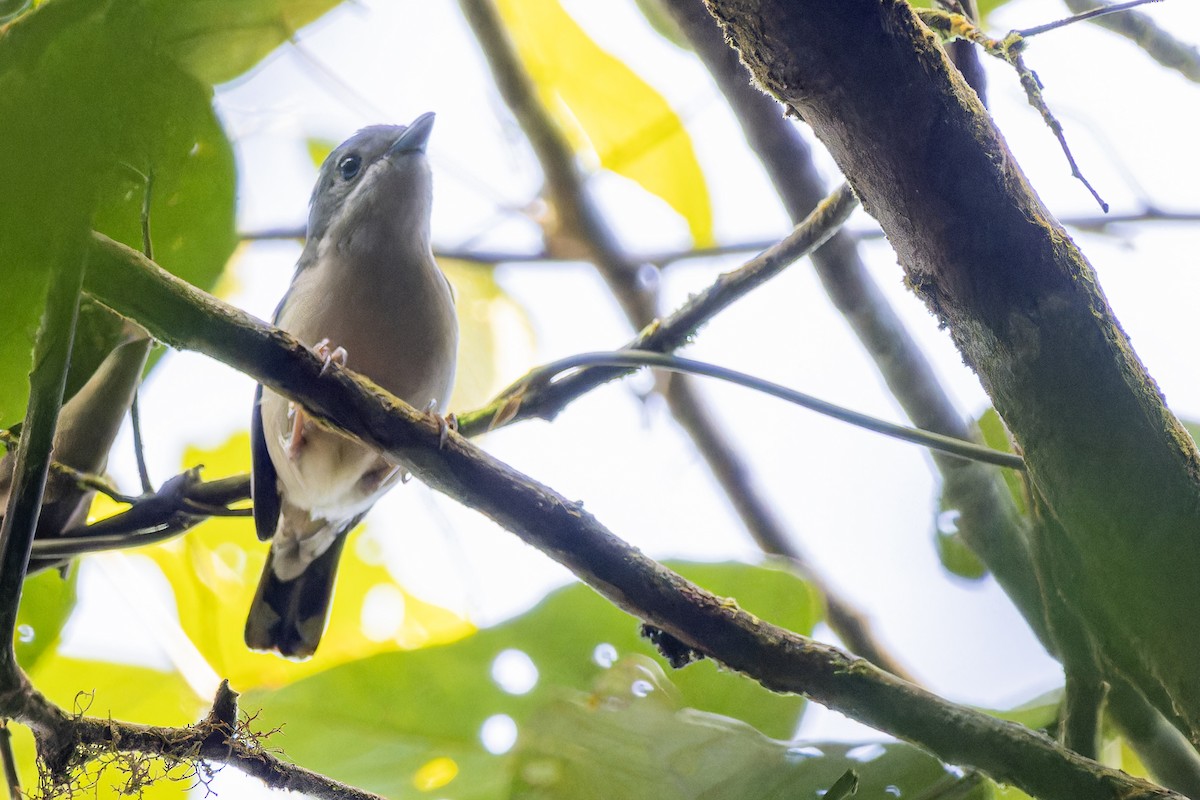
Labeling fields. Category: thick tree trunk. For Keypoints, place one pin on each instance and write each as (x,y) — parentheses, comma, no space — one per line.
(1118,472)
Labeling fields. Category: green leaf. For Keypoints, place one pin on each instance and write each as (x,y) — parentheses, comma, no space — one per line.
(218,40)
(956,556)
(995,436)
(843,787)
(580,749)
(189,160)
(48,167)
(343,722)
(47,600)
(87,99)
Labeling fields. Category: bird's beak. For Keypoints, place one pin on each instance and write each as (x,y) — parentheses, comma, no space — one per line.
(415,136)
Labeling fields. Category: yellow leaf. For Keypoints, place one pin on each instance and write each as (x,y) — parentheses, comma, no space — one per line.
(495,337)
(598,100)
(319,149)
(214,570)
(103,507)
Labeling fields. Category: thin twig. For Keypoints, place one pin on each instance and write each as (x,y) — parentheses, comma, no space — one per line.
(1083,15)
(1033,92)
(135,416)
(139,445)
(98,483)
(1009,49)
(11,776)
(665,258)
(935,441)
(677,328)
(179,505)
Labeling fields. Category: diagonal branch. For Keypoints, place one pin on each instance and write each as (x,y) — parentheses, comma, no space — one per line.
(676,329)
(782,661)
(183,501)
(1159,44)
(664,258)
(582,219)
(990,524)
(1022,304)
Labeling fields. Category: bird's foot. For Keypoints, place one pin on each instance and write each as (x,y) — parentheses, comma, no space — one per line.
(445,424)
(330,355)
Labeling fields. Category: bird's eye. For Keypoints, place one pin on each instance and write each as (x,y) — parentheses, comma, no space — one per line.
(349,166)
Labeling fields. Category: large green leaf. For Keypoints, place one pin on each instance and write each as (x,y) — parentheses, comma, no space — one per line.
(183,150)
(89,98)
(49,60)
(579,750)
(390,721)
(95,96)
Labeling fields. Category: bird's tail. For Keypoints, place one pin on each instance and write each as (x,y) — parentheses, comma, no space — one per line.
(290,616)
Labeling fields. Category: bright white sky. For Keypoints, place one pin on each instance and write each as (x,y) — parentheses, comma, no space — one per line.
(862,506)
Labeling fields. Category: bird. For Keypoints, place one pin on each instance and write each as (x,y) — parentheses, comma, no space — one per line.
(87,427)
(367,294)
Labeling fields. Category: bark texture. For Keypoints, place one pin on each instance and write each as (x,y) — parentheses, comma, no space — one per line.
(1117,470)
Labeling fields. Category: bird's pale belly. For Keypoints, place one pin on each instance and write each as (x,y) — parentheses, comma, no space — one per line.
(327,474)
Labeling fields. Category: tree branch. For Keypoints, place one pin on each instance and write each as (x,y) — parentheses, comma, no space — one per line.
(51,359)
(782,661)
(1170,758)
(1021,303)
(1159,44)
(68,742)
(184,501)
(990,523)
(582,219)
(662,259)
(674,330)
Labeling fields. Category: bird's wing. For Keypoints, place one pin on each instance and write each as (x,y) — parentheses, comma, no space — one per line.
(264,487)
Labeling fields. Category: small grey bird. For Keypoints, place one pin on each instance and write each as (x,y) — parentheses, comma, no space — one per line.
(367,294)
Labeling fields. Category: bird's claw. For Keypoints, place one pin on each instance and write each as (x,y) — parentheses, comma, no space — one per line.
(445,424)
(334,355)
